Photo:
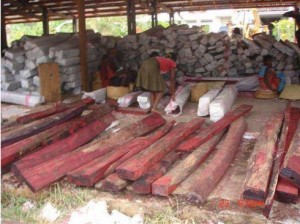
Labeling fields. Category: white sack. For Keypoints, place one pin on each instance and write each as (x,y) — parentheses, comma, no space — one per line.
(144,100)
(205,100)
(98,95)
(22,99)
(128,99)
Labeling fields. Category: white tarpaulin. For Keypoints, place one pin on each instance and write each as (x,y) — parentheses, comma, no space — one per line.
(181,96)
(21,98)
(205,100)
(222,103)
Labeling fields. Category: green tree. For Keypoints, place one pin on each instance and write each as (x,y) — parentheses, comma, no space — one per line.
(284,29)
(108,26)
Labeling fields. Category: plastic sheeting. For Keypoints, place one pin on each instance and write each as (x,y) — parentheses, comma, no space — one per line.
(205,100)
(222,103)
(98,95)
(181,96)
(128,99)
(21,98)
(144,100)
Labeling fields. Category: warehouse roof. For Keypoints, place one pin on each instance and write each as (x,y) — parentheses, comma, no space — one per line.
(22,11)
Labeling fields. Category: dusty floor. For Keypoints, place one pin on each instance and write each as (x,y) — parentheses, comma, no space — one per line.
(228,190)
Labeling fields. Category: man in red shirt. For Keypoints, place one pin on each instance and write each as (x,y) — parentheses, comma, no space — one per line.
(150,77)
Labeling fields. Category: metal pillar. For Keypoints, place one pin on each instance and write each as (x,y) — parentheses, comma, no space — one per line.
(172,20)
(83,46)
(131,23)
(74,23)
(154,13)
(3,32)
(45,21)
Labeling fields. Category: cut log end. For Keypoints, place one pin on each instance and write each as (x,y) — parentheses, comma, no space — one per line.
(253,194)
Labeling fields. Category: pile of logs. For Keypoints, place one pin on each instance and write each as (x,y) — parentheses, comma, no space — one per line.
(150,155)
(274,168)
(199,55)
(19,65)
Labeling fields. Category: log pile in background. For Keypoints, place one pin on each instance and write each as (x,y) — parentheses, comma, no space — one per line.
(199,55)
(20,62)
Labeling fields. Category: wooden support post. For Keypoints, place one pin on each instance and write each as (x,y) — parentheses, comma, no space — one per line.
(261,161)
(171,21)
(83,46)
(291,119)
(45,21)
(220,162)
(74,23)
(131,23)
(135,167)
(3,30)
(154,19)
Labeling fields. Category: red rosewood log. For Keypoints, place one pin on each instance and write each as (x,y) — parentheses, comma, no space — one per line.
(112,183)
(138,165)
(261,161)
(43,175)
(291,119)
(132,110)
(38,126)
(291,166)
(219,164)
(143,185)
(286,192)
(11,153)
(54,110)
(92,172)
(63,146)
(214,129)
(165,185)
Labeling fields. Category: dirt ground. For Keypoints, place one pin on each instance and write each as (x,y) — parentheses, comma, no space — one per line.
(228,190)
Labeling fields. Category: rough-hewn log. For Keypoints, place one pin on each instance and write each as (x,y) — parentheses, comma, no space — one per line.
(291,166)
(17,150)
(92,172)
(54,110)
(286,192)
(138,165)
(165,185)
(133,110)
(143,185)
(35,127)
(214,129)
(112,183)
(291,119)
(220,162)
(63,146)
(261,161)
(44,174)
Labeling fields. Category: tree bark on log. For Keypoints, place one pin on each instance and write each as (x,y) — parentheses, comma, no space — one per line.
(214,129)
(261,161)
(135,167)
(219,164)
(45,174)
(165,185)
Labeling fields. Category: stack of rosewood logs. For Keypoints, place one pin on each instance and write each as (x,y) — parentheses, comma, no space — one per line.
(274,167)
(150,155)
